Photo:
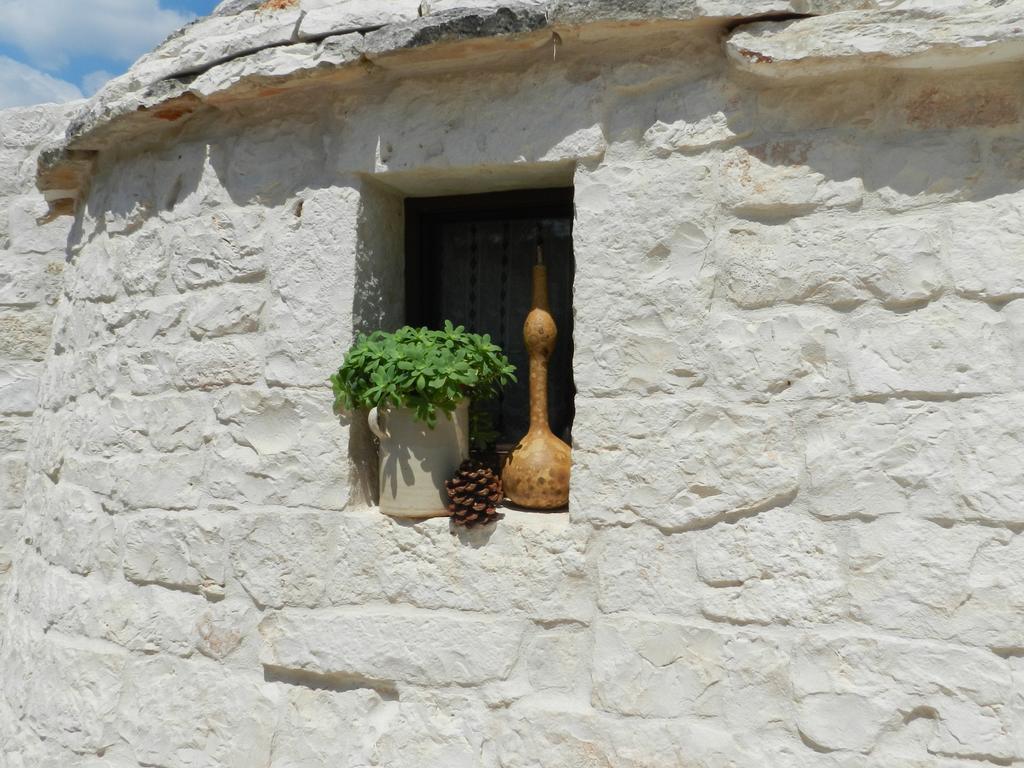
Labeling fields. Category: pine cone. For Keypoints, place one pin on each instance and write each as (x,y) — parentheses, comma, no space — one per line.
(474,494)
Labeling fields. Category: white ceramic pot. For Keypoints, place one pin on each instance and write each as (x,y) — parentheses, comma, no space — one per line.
(415,460)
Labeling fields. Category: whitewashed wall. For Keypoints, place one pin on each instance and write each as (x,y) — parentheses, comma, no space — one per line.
(31,264)
(794,537)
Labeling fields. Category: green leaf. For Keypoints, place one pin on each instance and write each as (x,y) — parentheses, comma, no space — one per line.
(421,369)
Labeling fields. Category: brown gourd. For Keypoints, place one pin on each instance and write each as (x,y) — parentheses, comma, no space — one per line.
(536,473)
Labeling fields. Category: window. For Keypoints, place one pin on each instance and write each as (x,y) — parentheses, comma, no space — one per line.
(469,259)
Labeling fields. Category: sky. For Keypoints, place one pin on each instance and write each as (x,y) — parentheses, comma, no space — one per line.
(59,50)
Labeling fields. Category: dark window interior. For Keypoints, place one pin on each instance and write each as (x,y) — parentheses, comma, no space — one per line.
(469,259)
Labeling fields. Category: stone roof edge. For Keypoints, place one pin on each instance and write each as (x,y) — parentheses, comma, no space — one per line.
(775,49)
(962,35)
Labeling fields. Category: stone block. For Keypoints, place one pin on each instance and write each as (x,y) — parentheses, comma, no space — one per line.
(145,321)
(10,522)
(570,737)
(989,615)
(93,273)
(530,568)
(628,464)
(780,567)
(1013,314)
(919,173)
(641,289)
(854,691)
(180,551)
(675,200)
(57,379)
(948,349)
(144,620)
(224,312)
(67,688)
(757,698)
(236,79)
(584,11)
(804,262)
(24,335)
(12,481)
(284,559)
(178,422)
(28,236)
(142,371)
(640,356)
(237,474)
(29,127)
(313,286)
(880,459)
(983,238)
(528,565)
(657,668)
(18,384)
(213,39)
(382,645)
(814,260)
(917,579)
(988,470)
(433,728)
(697,116)
(556,660)
(905,262)
(75,532)
(454,26)
(162,481)
(325,727)
(27,281)
(642,569)
(790,354)
(14,433)
(323,18)
(225,249)
(214,364)
(169,481)
(894,37)
(301,364)
(782,179)
(144,258)
(278,421)
(227,717)
(653,668)
(226,631)
(264,159)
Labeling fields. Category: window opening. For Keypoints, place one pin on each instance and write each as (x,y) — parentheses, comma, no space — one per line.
(470,258)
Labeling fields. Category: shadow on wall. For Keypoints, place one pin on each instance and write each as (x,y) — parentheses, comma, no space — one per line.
(377,304)
(901,140)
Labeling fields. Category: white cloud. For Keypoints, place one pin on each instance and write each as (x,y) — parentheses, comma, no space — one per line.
(51,32)
(21,85)
(93,81)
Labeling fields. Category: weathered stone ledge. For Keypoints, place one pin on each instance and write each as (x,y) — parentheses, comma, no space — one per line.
(826,46)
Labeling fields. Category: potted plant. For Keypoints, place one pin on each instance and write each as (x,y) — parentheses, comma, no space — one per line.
(416,384)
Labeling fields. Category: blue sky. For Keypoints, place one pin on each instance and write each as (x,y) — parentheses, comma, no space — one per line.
(58,50)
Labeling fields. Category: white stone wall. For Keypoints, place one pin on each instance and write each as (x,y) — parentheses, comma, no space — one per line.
(794,536)
(31,264)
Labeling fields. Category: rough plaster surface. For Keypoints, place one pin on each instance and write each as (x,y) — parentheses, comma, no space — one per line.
(32,261)
(798,492)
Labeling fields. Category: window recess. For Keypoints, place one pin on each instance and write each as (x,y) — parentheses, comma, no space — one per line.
(469,259)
